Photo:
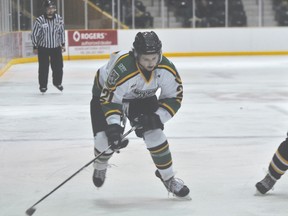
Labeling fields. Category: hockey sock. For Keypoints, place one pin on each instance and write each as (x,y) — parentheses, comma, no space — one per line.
(279,163)
(162,159)
(100,144)
(158,147)
(102,162)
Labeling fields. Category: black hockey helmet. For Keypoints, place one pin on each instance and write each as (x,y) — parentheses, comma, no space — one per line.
(147,43)
(49,7)
(48,3)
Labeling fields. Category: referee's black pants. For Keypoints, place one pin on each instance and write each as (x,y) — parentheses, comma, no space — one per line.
(45,57)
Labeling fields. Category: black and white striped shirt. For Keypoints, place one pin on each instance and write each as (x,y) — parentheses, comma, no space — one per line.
(48,33)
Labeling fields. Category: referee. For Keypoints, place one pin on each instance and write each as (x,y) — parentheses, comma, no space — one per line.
(48,39)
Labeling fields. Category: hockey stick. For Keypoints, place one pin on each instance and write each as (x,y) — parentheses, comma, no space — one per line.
(32,209)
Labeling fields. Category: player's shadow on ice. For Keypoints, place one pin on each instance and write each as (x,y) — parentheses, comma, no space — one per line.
(148,203)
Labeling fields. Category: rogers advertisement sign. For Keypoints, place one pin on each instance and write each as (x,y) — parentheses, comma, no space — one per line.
(92,38)
(92,41)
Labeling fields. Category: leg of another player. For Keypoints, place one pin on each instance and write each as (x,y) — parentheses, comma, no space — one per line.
(277,168)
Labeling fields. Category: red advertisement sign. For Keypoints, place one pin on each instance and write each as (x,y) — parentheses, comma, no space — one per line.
(92,38)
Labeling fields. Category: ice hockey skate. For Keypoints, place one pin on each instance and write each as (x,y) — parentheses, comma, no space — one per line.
(99,177)
(43,90)
(175,186)
(59,87)
(266,184)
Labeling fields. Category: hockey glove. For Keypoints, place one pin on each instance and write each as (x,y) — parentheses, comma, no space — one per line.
(147,122)
(114,134)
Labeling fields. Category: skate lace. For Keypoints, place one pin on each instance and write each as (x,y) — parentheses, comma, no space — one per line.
(174,185)
(100,174)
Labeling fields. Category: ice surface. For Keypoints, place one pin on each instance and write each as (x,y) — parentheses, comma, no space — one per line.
(234,115)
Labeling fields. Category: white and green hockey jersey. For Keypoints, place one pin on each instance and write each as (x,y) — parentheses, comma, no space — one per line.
(122,79)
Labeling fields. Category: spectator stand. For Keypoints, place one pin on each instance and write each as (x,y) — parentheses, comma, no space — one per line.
(143,18)
(281,12)
(209,13)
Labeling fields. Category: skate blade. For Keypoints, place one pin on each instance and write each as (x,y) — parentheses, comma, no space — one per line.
(185,198)
(258,193)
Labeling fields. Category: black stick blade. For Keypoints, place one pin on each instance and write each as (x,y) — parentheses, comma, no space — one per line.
(30,211)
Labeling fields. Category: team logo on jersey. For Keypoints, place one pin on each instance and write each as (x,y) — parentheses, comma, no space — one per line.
(144,93)
(112,78)
(122,68)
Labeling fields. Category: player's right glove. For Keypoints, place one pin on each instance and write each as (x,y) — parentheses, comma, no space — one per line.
(114,133)
(147,122)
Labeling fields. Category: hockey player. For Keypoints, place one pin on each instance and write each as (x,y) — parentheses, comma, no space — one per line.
(277,167)
(126,86)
